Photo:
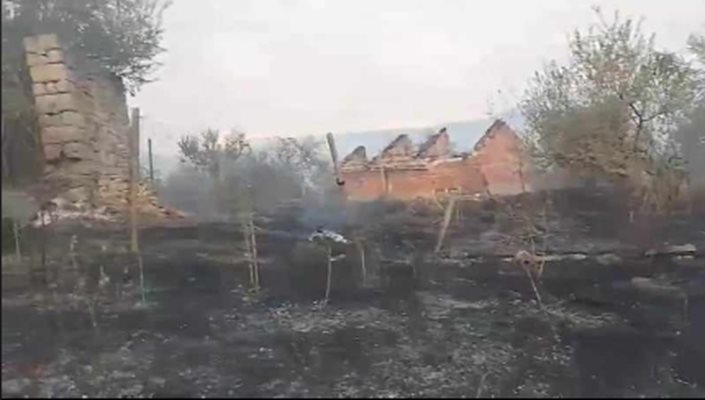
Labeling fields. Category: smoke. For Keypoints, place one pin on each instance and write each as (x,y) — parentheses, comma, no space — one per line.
(260,182)
(295,182)
(328,213)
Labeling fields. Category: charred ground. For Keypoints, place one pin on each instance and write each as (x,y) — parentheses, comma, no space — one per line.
(463,322)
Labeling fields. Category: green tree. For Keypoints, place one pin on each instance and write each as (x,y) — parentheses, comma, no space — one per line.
(613,109)
(303,157)
(208,152)
(124,35)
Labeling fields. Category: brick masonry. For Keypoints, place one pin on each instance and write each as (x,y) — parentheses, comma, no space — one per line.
(497,165)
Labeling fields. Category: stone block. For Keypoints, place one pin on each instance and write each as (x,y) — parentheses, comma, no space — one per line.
(72,118)
(61,134)
(52,152)
(65,86)
(39,89)
(78,150)
(48,73)
(46,120)
(54,104)
(48,41)
(82,170)
(34,59)
(50,88)
(43,104)
(66,118)
(55,56)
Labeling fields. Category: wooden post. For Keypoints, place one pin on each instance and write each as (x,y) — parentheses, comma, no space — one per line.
(248,230)
(43,241)
(151,162)
(133,169)
(248,248)
(329,275)
(134,173)
(136,152)
(16,233)
(361,249)
(253,240)
(446,221)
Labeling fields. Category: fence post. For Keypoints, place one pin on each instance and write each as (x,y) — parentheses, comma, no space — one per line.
(133,144)
(151,162)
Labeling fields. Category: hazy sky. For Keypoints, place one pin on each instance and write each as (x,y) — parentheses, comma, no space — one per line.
(296,67)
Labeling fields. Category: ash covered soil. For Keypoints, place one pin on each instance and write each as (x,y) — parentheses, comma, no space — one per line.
(419,325)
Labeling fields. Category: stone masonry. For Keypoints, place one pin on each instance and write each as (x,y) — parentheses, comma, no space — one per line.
(82,114)
(84,127)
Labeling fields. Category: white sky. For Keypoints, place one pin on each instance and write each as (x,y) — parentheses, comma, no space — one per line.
(296,67)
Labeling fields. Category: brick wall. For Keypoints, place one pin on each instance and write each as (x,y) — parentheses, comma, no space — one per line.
(497,165)
(505,169)
(409,184)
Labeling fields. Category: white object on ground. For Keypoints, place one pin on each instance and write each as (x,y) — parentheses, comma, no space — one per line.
(324,235)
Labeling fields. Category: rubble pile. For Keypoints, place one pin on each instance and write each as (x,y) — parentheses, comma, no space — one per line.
(109,204)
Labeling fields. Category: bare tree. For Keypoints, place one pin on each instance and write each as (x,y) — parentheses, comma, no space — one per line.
(304,156)
(209,152)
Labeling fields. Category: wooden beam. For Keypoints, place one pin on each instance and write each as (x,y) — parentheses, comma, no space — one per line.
(151,162)
(446,221)
(334,156)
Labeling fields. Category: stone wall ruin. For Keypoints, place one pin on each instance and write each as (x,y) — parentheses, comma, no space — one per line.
(82,114)
(84,127)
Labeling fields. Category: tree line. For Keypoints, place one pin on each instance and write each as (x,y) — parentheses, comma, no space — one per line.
(241,179)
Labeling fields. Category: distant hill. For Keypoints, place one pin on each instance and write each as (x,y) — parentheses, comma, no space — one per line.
(463,135)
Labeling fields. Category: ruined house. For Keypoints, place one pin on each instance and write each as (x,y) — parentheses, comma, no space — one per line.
(496,166)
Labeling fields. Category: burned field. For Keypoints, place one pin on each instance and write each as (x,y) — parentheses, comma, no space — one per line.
(607,316)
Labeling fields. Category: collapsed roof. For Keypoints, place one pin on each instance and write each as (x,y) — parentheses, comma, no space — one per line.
(402,153)
(358,157)
(436,146)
